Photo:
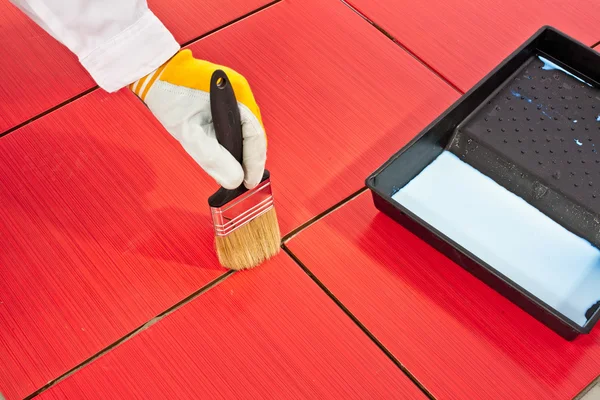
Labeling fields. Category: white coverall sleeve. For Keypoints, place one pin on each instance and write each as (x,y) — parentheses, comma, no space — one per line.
(116,41)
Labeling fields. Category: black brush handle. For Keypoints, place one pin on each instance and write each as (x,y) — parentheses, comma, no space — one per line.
(228,130)
(226,114)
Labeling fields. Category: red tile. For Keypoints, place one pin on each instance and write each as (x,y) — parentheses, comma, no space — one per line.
(464,40)
(38,73)
(188,19)
(460,339)
(267,333)
(104,222)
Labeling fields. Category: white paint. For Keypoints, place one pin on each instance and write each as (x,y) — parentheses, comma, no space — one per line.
(549,65)
(507,233)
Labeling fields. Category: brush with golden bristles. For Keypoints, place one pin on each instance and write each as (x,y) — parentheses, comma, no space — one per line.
(245,221)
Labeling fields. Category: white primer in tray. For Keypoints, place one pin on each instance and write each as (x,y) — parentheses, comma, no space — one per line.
(507,233)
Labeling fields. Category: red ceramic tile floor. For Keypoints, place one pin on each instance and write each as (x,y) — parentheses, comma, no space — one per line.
(268,333)
(464,40)
(457,336)
(104,221)
(104,225)
(38,73)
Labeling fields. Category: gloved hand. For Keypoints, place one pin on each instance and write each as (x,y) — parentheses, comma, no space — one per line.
(177,93)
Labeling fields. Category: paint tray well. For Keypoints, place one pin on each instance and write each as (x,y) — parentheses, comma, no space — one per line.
(507,181)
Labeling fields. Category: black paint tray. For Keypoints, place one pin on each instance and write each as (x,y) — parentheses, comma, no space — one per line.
(531,126)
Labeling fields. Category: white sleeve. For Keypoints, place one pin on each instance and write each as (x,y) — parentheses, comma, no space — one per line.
(116,41)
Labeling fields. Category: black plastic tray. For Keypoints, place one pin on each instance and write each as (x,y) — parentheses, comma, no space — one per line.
(502,128)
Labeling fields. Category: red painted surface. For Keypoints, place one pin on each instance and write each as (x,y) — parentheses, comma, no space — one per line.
(104,219)
(270,333)
(458,337)
(38,73)
(188,19)
(104,225)
(464,40)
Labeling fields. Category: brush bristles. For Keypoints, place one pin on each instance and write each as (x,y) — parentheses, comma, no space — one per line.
(250,245)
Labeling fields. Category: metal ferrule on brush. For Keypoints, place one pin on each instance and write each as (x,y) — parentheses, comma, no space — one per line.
(243,209)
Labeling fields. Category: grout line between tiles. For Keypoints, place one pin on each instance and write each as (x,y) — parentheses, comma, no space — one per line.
(133,333)
(404,47)
(322,215)
(94,88)
(48,111)
(232,22)
(354,319)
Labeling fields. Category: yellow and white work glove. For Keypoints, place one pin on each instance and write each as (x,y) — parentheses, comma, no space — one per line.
(117,41)
(177,94)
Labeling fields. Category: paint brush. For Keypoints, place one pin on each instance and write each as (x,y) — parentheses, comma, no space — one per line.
(245,222)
